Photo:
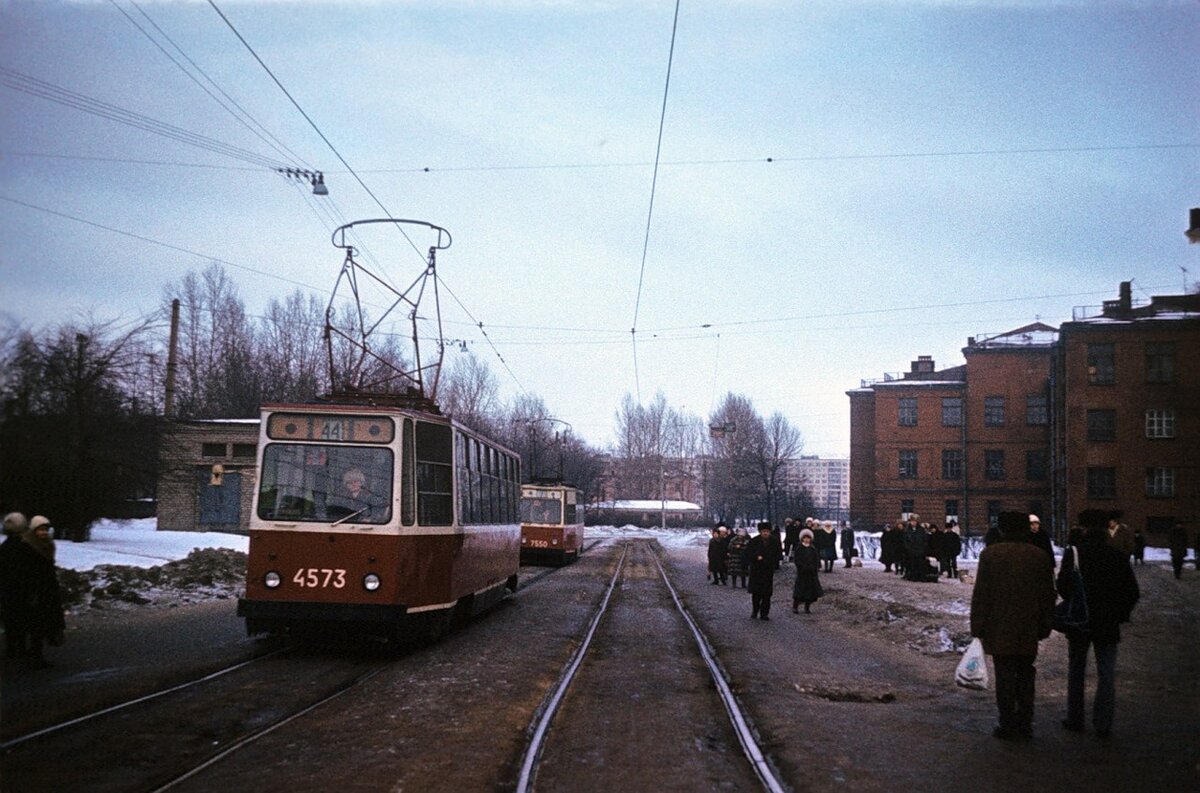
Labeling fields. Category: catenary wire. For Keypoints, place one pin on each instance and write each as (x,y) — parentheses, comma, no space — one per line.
(662,118)
(240,114)
(32,86)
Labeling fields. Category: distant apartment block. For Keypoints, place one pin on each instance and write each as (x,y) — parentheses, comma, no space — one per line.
(826,480)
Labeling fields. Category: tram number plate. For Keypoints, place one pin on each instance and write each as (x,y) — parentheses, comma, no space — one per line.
(320,577)
(540,543)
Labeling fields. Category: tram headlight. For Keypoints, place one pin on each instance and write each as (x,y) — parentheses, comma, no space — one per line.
(272,580)
(371,582)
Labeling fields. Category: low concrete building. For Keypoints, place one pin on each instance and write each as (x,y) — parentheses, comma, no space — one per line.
(189,497)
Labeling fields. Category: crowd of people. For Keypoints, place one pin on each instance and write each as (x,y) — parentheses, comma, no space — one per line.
(30,602)
(749,563)
(907,546)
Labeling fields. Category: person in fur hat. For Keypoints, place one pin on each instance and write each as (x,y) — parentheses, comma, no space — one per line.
(18,561)
(807,588)
(46,623)
(762,558)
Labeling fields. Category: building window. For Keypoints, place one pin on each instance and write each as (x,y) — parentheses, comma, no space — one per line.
(908,463)
(952,463)
(1035,465)
(1160,423)
(952,510)
(907,507)
(1102,425)
(1037,410)
(993,411)
(244,451)
(1160,482)
(1102,483)
(212,450)
(908,411)
(993,464)
(1160,362)
(952,412)
(993,514)
(1101,363)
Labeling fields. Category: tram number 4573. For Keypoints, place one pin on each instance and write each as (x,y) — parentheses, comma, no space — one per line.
(320,578)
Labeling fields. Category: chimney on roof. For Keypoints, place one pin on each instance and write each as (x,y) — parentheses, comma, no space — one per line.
(923,365)
(1193,232)
(1126,298)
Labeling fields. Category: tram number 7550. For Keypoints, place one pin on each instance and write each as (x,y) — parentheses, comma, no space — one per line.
(320,577)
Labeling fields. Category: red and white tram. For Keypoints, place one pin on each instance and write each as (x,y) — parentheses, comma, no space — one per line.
(389,521)
(551,523)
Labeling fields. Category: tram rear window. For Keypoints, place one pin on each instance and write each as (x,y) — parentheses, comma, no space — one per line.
(325,484)
(541,510)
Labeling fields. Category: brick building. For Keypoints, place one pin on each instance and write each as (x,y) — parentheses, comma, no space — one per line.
(187,498)
(962,443)
(1128,382)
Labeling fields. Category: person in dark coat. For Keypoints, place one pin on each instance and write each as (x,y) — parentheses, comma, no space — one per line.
(1040,538)
(825,542)
(735,563)
(791,531)
(717,548)
(887,547)
(807,588)
(1177,542)
(951,547)
(762,558)
(916,548)
(46,622)
(1139,547)
(1012,608)
(847,541)
(1111,592)
(17,564)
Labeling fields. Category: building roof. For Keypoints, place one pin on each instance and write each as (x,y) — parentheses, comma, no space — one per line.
(646,505)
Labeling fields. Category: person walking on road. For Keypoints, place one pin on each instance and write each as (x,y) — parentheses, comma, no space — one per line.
(1111,592)
(846,538)
(762,558)
(1120,536)
(807,588)
(1177,542)
(1012,607)
(17,564)
(826,543)
(1040,538)
(46,624)
(717,548)
(735,563)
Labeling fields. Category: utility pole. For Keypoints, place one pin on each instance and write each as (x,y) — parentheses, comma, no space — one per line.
(173,345)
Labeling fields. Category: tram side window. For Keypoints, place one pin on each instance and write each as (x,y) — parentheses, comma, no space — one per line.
(461,462)
(407,466)
(435,484)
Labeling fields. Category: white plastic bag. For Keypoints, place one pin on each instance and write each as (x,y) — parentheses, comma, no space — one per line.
(972,669)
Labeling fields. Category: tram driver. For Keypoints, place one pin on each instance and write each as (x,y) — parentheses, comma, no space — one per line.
(353,501)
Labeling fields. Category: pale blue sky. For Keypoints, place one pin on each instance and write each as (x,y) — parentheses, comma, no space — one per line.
(1058,142)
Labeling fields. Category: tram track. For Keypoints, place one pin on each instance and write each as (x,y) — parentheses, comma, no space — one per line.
(644,666)
(155,741)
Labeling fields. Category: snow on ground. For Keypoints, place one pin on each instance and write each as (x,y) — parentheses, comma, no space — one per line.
(138,543)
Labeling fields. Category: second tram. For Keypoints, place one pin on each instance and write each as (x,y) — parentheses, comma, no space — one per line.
(551,523)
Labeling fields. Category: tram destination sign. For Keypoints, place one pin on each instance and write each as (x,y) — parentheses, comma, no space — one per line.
(330,428)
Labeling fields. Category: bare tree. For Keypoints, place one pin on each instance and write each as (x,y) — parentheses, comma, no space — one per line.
(469,392)
(780,442)
(291,350)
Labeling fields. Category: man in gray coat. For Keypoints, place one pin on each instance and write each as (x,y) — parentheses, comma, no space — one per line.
(1012,609)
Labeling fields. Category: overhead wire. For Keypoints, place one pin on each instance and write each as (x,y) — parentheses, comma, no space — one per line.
(241,115)
(312,124)
(32,86)
(650,213)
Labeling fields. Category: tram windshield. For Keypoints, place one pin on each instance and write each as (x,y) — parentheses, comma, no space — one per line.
(322,484)
(541,510)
